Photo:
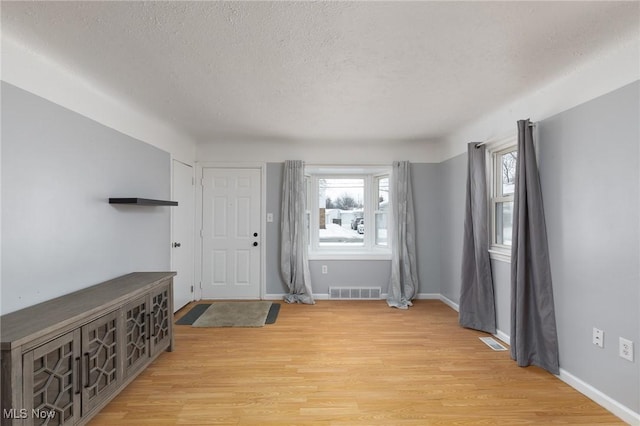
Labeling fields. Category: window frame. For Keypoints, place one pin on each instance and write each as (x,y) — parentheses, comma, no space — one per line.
(371,175)
(496,150)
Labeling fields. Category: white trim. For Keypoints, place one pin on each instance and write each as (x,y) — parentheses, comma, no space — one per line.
(501,335)
(197,239)
(230,165)
(273,296)
(499,255)
(584,388)
(456,307)
(383,296)
(453,305)
(316,296)
(348,255)
(323,296)
(501,143)
(347,170)
(494,183)
(369,175)
(199,166)
(263,230)
(193,199)
(428,296)
(610,404)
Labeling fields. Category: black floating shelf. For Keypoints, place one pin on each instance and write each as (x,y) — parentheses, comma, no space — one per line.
(142,202)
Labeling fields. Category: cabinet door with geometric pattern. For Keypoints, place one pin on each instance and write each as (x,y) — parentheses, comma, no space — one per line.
(51,381)
(100,360)
(161,319)
(137,335)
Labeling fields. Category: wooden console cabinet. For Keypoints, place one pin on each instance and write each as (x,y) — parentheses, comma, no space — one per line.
(65,359)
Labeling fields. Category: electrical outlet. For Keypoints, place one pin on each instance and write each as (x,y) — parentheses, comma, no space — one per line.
(324,269)
(626,349)
(598,337)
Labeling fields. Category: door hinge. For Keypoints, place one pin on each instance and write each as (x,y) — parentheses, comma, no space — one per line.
(201,233)
(193,180)
(200,285)
(191,289)
(202,182)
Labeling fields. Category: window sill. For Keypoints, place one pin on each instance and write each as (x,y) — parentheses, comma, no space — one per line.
(354,255)
(500,255)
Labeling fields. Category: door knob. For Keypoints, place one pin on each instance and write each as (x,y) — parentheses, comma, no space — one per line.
(255,234)
(255,244)
(176,244)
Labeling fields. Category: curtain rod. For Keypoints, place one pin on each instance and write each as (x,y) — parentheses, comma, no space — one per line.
(479,144)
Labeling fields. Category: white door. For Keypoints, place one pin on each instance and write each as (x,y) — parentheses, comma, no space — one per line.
(183,234)
(231,233)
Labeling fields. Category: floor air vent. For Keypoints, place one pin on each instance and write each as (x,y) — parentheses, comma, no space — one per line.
(489,341)
(349,293)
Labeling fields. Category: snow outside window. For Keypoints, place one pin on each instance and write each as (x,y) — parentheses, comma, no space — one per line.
(349,213)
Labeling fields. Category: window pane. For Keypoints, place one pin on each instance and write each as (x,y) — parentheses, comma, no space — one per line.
(341,213)
(381,229)
(382,208)
(508,171)
(383,193)
(504,221)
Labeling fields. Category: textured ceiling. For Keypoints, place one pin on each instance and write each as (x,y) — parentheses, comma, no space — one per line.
(309,71)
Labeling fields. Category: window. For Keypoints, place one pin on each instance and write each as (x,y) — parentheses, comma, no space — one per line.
(503,174)
(348,212)
(382,211)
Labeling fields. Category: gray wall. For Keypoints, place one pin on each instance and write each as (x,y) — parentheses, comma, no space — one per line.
(274,284)
(376,273)
(453,177)
(589,168)
(59,234)
(501,272)
(426,199)
(453,181)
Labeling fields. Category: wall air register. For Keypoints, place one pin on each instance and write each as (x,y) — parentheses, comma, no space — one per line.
(350,293)
(142,202)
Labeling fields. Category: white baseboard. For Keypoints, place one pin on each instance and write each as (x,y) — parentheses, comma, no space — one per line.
(428,296)
(453,305)
(456,307)
(324,296)
(619,410)
(273,296)
(600,398)
(501,335)
(280,296)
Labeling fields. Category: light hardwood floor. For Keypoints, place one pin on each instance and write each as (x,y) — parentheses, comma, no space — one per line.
(346,363)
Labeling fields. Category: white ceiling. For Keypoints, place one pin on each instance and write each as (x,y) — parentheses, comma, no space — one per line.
(310,71)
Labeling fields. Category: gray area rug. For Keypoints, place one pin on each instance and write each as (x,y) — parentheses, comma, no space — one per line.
(234,314)
(193,314)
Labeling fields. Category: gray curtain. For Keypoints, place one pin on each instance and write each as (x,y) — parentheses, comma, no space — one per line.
(294,262)
(534,338)
(404,276)
(477,303)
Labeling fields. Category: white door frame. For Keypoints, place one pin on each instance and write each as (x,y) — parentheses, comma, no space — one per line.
(173,237)
(263,218)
